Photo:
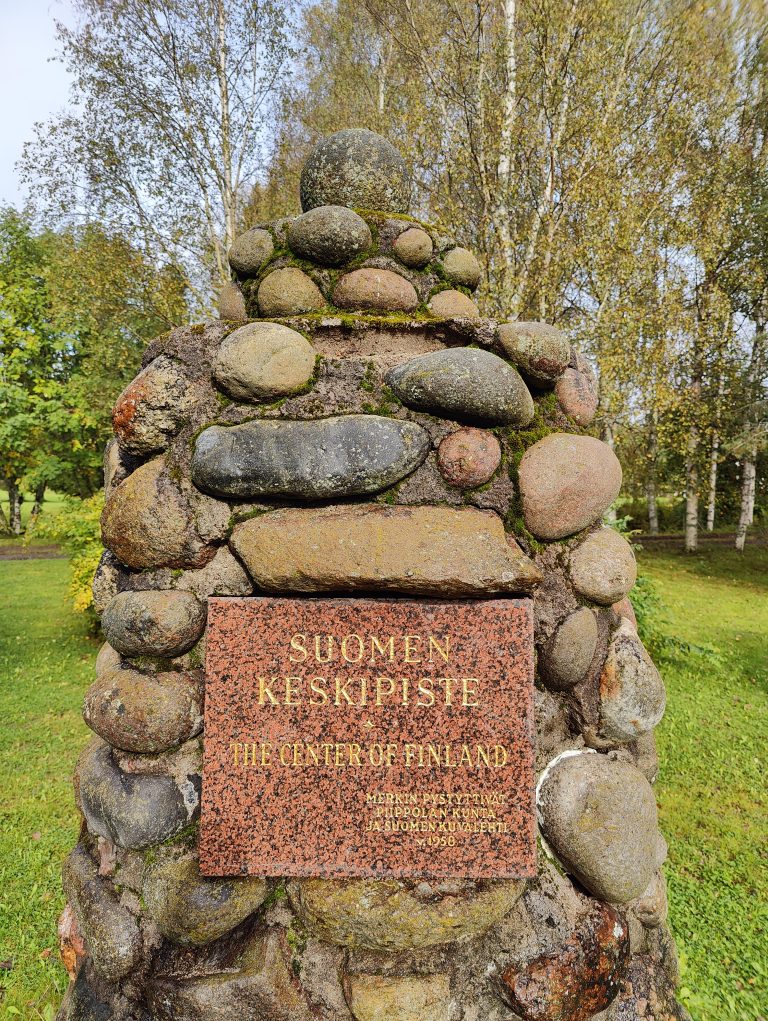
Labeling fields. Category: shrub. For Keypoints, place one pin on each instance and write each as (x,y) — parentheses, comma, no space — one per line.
(76,528)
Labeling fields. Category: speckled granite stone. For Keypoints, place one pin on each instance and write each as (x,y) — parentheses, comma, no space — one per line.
(310,771)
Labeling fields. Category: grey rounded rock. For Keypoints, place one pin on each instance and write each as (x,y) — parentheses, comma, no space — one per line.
(462,268)
(332,457)
(413,247)
(355,168)
(331,235)
(250,251)
(603,567)
(566,483)
(109,929)
(632,694)
(134,811)
(191,909)
(464,383)
(288,292)
(107,659)
(164,624)
(539,350)
(106,581)
(599,817)
(566,657)
(263,361)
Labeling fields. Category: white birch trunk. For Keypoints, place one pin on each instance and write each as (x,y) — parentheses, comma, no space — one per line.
(748,475)
(692,493)
(712,496)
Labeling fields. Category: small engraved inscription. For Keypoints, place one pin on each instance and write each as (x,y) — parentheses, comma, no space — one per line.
(368,737)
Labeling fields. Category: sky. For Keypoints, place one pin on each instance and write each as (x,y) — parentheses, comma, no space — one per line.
(32,86)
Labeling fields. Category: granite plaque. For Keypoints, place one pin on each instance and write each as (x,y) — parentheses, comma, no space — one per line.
(368,737)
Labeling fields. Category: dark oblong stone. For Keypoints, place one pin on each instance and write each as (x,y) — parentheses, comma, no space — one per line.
(345,456)
(132,810)
(163,623)
(464,383)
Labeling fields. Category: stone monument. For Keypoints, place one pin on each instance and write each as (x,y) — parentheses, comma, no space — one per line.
(422,730)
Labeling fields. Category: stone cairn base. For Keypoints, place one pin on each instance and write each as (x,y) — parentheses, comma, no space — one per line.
(352,424)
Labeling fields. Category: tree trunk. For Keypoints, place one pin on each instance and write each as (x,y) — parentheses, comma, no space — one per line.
(650,483)
(610,514)
(692,493)
(748,473)
(37,506)
(15,500)
(712,498)
(5,528)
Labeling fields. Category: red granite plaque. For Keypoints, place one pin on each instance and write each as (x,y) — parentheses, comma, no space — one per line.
(368,737)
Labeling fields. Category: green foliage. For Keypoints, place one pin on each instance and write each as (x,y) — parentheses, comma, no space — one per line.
(77,529)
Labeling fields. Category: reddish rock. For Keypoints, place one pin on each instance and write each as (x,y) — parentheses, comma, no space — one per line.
(578,397)
(469,457)
(582,978)
(453,305)
(151,409)
(375,290)
(625,609)
(71,944)
(566,483)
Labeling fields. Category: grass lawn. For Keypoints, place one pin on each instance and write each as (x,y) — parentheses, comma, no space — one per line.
(46,662)
(711,788)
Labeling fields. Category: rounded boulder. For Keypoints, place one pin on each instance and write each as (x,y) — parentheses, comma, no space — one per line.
(567,656)
(464,382)
(603,567)
(153,623)
(462,268)
(632,693)
(375,290)
(539,350)
(263,361)
(468,457)
(331,235)
(599,817)
(566,483)
(288,292)
(453,305)
(250,251)
(413,247)
(145,713)
(356,168)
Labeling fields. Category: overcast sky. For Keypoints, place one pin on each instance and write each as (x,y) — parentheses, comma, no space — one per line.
(31,85)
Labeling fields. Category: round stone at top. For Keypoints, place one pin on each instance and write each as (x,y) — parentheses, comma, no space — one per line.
(355,168)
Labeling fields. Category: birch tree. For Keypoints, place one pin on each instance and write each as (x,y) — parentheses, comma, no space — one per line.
(165,134)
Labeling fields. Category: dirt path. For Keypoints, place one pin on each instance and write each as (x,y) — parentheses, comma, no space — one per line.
(17,551)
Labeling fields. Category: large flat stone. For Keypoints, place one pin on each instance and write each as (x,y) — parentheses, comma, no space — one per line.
(464,383)
(385,915)
(437,551)
(566,483)
(345,456)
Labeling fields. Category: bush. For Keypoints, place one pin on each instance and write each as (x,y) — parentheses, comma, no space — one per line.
(76,528)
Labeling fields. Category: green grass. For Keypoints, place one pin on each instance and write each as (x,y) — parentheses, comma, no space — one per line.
(46,662)
(712,786)
(711,789)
